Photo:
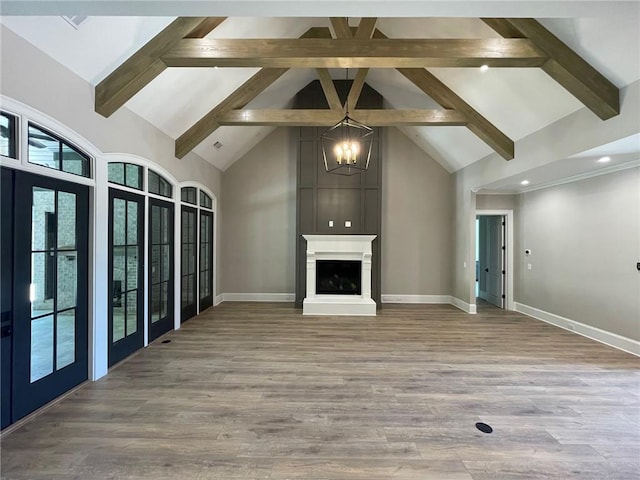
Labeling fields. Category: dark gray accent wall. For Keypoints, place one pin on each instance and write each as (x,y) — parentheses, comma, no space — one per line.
(322,197)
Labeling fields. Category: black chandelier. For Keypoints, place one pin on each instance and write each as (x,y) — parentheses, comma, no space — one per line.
(346,147)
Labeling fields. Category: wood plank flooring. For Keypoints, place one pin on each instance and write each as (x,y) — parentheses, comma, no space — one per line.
(257,391)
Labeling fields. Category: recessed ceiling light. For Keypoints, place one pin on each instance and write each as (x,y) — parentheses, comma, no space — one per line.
(484,68)
(524,182)
(604,160)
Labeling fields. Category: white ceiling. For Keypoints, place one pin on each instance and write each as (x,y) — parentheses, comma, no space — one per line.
(518,101)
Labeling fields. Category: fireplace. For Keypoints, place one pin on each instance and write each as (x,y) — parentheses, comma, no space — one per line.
(339,275)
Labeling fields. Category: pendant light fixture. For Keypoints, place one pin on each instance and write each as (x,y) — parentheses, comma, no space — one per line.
(346,147)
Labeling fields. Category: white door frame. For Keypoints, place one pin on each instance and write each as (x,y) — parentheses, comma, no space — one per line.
(508,214)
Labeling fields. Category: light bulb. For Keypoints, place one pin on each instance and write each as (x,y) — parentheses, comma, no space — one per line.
(338,152)
(355,148)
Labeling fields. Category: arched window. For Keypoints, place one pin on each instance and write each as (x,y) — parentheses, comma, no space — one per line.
(159,185)
(49,150)
(126,174)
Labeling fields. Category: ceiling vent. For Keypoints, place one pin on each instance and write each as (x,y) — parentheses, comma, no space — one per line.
(76,20)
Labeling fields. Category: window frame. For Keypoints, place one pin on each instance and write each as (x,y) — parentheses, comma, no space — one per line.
(61,142)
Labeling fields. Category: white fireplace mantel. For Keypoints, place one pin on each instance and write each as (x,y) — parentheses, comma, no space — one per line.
(339,247)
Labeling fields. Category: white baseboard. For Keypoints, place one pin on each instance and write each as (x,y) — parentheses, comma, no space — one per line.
(218,300)
(464,306)
(612,339)
(258,297)
(391,298)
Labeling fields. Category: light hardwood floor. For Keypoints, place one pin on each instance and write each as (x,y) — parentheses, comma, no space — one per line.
(249,391)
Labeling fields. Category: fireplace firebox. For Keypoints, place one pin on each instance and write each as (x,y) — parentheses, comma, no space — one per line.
(338,277)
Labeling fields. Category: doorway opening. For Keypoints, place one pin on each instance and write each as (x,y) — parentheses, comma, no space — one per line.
(494,258)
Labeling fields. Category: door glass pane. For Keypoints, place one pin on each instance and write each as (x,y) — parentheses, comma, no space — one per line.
(132,312)
(185,226)
(164,234)
(132,223)
(118,271)
(155,264)
(165,299)
(183,259)
(166,265)
(119,221)
(66,221)
(155,224)
(42,281)
(132,267)
(43,219)
(156,302)
(65,338)
(67,279)
(118,321)
(41,347)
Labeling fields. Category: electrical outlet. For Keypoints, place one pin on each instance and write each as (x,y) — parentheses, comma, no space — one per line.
(331,223)
(347,223)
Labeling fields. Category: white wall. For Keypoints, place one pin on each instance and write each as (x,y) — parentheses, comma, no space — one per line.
(584,239)
(417,220)
(259,223)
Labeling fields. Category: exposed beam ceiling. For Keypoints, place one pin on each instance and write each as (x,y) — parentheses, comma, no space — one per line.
(526,44)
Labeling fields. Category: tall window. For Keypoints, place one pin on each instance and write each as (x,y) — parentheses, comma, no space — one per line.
(49,150)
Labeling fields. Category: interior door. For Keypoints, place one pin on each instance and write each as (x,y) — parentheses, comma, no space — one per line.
(206,260)
(188,262)
(492,256)
(50,290)
(6,291)
(161,271)
(126,274)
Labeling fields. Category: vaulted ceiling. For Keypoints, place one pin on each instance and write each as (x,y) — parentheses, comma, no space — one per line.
(451,108)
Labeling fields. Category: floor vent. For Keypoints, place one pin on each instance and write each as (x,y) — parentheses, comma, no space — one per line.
(484,428)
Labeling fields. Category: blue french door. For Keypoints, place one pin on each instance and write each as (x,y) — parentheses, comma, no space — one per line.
(46,322)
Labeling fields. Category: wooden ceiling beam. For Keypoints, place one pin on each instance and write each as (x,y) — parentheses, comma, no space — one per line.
(354,53)
(365,28)
(447,98)
(356,89)
(145,65)
(329,89)
(564,65)
(322,118)
(364,31)
(238,99)
(340,27)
